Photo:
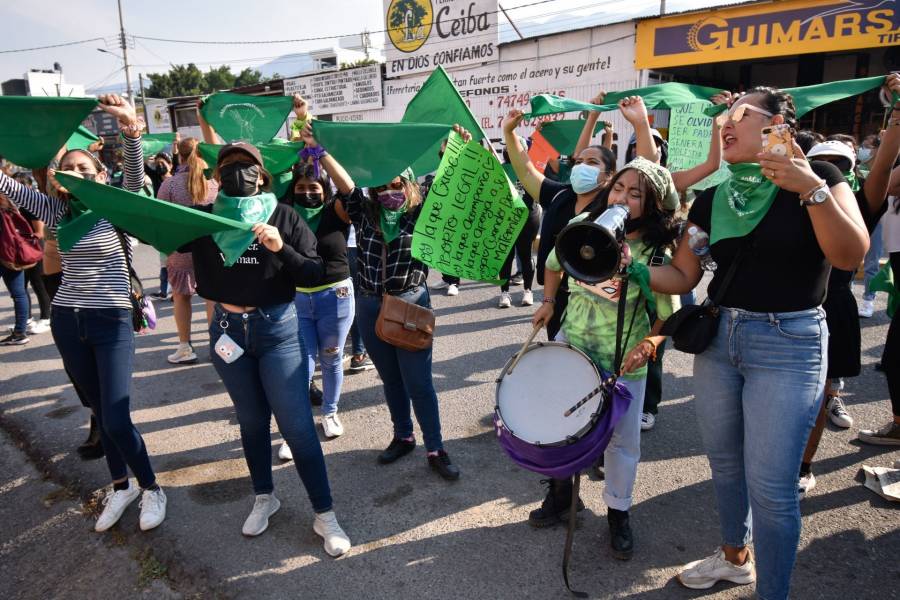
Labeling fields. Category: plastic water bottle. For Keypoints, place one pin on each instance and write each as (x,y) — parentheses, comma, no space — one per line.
(699,243)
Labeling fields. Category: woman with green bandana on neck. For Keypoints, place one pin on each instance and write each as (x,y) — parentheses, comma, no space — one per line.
(255,349)
(785,221)
(384,219)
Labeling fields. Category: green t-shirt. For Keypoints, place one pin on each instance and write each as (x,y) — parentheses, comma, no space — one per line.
(589,322)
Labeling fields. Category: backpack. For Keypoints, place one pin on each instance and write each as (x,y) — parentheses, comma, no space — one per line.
(20,248)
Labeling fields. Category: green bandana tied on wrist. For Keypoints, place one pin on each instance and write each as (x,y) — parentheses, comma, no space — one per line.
(390,223)
(741,202)
(312,216)
(250,210)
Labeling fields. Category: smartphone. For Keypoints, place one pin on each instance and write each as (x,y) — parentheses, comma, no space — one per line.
(777,139)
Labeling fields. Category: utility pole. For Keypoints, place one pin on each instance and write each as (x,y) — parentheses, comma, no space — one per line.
(144,100)
(124,45)
(662,7)
(366,42)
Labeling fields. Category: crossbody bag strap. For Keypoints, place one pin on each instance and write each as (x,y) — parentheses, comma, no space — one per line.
(124,243)
(732,270)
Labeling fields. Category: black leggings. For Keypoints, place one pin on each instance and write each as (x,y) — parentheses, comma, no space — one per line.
(890,358)
(523,246)
(35,276)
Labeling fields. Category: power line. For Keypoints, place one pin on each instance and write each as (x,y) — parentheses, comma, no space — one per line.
(100,39)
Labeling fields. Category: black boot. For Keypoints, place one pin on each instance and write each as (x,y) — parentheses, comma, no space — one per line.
(91,448)
(555,507)
(315,394)
(620,537)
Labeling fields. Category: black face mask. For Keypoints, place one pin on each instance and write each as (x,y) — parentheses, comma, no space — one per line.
(308,199)
(239,179)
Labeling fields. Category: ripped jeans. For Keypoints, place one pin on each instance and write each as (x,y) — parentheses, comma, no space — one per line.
(324,322)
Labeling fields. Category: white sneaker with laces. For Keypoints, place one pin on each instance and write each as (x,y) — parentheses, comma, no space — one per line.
(184,354)
(805,484)
(38,327)
(332,426)
(838,413)
(284,453)
(114,504)
(453,290)
(705,573)
(153,508)
(648,420)
(867,309)
(336,541)
(257,521)
(505,300)
(527,298)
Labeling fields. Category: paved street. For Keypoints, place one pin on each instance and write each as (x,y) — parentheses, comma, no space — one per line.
(414,534)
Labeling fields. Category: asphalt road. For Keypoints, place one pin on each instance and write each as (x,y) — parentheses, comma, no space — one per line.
(414,534)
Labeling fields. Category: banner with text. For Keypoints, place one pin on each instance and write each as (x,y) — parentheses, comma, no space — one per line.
(339,91)
(690,135)
(471,216)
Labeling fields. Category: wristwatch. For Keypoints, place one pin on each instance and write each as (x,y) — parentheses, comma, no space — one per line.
(817,195)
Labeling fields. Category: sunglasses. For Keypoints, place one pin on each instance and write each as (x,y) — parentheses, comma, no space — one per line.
(737,114)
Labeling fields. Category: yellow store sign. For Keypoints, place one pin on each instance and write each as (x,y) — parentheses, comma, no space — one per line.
(764,30)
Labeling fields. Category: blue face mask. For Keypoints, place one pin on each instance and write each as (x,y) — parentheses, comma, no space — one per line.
(584,178)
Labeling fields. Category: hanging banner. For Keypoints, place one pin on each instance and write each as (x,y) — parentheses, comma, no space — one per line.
(471,217)
(157,117)
(421,35)
(339,91)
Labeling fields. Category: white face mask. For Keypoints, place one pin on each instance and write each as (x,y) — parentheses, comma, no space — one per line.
(864,154)
(584,178)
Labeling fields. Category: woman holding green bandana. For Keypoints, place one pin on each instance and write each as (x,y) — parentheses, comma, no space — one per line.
(782,222)
(384,219)
(255,349)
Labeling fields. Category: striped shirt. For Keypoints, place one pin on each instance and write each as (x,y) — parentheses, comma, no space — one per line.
(94,271)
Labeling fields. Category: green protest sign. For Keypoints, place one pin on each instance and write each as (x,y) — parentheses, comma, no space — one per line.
(690,135)
(254,119)
(471,217)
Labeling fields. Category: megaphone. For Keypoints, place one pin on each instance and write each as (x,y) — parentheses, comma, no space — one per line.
(591,251)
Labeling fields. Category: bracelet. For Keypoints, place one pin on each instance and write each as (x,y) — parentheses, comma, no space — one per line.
(652,343)
(136,128)
(809,194)
(548,301)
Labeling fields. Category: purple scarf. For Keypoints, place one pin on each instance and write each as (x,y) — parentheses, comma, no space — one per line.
(314,153)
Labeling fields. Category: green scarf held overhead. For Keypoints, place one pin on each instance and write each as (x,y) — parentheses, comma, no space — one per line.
(390,223)
(312,216)
(81,139)
(563,135)
(255,119)
(375,153)
(664,95)
(438,101)
(884,282)
(277,157)
(153,143)
(740,202)
(163,225)
(34,128)
(249,210)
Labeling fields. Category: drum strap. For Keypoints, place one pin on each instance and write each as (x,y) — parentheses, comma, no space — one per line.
(570,535)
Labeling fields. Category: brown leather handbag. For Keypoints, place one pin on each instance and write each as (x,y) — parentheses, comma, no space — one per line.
(401,323)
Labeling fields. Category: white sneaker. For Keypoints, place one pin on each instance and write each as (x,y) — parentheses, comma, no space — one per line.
(284,453)
(332,426)
(806,483)
(440,285)
(705,573)
(453,290)
(505,300)
(37,327)
(336,541)
(527,298)
(866,308)
(838,413)
(184,354)
(257,521)
(647,421)
(114,504)
(153,508)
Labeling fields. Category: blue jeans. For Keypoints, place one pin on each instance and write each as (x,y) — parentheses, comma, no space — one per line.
(759,386)
(15,283)
(871,264)
(406,375)
(269,379)
(97,348)
(325,319)
(357,346)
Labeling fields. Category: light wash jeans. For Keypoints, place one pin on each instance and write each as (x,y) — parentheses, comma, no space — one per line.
(324,320)
(871,264)
(758,389)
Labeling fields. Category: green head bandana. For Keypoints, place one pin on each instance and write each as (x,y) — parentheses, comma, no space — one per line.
(390,223)
(741,202)
(249,210)
(312,216)
(660,178)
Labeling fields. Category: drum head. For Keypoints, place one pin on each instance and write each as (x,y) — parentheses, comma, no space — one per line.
(550,378)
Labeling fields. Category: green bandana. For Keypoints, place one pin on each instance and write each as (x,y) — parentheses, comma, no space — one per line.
(741,202)
(79,220)
(163,225)
(884,282)
(390,223)
(81,139)
(33,128)
(249,210)
(639,273)
(278,157)
(563,135)
(664,95)
(312,216)
(255,119)
(850,176)
(153,143)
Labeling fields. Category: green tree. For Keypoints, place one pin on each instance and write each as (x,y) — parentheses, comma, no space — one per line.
(358,63)
(247,77)
(219,78)
(181,80)
(398,15)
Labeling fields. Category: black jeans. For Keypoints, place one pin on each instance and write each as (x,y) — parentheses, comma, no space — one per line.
(890,358)
(523,248)
(35,276)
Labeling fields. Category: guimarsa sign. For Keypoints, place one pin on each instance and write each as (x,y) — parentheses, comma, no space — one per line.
(424,34)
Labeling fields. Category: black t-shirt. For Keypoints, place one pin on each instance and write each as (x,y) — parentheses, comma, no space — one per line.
(558,201)
(784,269)
(331,244)
(259,277)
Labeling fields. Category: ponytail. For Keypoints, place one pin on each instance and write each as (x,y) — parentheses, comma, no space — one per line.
(196,184)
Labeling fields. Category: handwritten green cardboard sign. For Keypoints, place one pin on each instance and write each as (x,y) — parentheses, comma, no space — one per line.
(690,132)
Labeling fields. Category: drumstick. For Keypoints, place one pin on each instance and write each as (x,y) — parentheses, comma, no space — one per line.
(524,347)
(609,382)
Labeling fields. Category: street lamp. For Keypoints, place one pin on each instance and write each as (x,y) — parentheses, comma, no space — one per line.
(108,52)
